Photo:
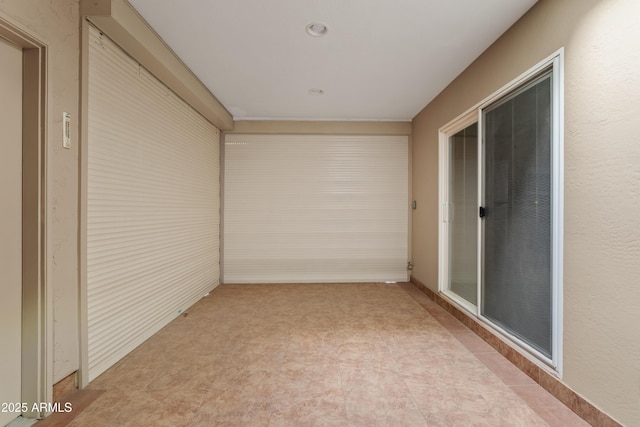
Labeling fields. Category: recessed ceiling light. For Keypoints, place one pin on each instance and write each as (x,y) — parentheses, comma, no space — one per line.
(316,91)
(316,29)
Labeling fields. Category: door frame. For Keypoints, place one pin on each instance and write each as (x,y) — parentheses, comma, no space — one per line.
(555,61)
(37,355)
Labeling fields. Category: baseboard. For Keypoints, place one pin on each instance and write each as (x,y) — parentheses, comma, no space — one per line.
(65,386)
(553,385)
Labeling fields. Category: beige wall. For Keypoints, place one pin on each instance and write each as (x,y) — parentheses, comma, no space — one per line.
(57,25)
(602,182)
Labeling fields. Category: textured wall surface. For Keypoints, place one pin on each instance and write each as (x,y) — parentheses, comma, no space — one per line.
(602,216)
(602,182)
(56,24)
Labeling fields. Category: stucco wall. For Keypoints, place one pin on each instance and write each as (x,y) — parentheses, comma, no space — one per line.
(602,182)
(56,23)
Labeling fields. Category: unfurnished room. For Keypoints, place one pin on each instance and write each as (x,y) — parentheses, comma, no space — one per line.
(319,213)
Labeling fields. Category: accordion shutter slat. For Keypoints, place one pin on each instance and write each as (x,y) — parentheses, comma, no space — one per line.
(315,208)
(153,205)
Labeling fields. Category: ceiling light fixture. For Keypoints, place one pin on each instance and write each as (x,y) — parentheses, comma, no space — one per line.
(316,91)
(316,29)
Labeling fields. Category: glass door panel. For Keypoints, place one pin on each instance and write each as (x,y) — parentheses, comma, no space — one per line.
(463,213)
(517,282)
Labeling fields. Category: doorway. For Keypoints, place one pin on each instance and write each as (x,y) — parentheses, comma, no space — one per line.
(11,228)
(501,211)
(24,367)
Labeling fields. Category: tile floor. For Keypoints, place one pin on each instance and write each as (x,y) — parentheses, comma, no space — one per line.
(318,355)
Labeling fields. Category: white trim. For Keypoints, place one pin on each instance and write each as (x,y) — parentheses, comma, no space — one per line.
(480,229)
(557,212)
(443,226)
(83,317)
(221,209)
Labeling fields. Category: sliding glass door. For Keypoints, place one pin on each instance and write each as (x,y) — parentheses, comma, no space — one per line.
(501,216)
(463,214)
(517,282)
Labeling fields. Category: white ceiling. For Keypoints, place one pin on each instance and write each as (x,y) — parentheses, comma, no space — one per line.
(380,59)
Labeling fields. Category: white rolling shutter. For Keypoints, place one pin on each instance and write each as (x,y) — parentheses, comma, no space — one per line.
(315,208)
(153,205)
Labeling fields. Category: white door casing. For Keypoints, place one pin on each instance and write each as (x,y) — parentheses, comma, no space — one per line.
(10,228)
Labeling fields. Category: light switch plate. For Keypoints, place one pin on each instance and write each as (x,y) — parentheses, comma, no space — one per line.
(66,130)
